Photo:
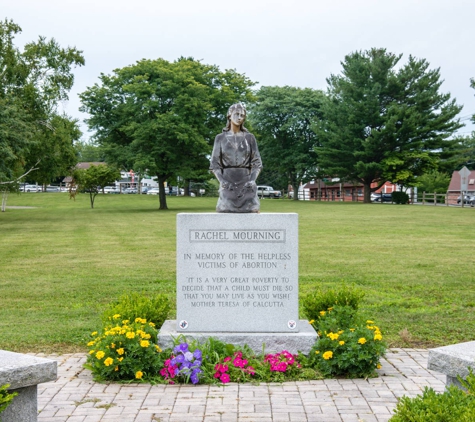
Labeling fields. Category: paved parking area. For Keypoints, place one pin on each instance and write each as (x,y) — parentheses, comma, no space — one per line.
(75,397)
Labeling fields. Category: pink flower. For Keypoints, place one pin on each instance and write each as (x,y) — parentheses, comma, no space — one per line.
(251,370)
(238,363)
(217,374)
(227,359)
(224,378)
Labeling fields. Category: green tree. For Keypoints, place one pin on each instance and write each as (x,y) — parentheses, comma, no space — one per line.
(434,181)
(92,180)
(160,118)
(461,153)
(283,119)
(54,149)
(89,152)
(32,82)
(383,122)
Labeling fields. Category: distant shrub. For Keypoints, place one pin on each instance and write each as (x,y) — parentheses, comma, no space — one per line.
(134,305)
(453,405)
(400,197)
(316,304)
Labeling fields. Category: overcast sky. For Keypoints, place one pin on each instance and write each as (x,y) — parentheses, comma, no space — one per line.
(298,43)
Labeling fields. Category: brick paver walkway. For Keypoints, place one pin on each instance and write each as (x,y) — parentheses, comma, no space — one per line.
(75,397)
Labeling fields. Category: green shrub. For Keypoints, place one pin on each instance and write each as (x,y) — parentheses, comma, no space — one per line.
(6,397)
(125,351)
(349,351)
(317,304)
(134,305)
(454,405)
(400,197)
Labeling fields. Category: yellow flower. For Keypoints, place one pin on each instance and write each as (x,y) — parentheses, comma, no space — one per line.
(327,355)
(91,352)
(317,352)
(141,320)
(369,322)
(340,332)
(116,316)
(125,321)
(144,343)
(91,343)
(116,368)
(139,375)
(311,321)
(378,337)
(370,327)
(100,354)
(158,349)
(333,336)
(378,366)
(120,359)
(130,334)
(322,313)
(94,333)
(151,324)
(330,309)
(120,351)
(108,361)
(362,340)
(352,329)
(341,343)
(112,345)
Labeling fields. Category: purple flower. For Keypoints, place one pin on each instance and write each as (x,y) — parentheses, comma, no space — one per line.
(182,347)
(197,354)
(188,356)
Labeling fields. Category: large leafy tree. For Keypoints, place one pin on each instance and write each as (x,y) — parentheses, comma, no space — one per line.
(160,117)
(384,122)
(283,118)
(32,83)
(461,153)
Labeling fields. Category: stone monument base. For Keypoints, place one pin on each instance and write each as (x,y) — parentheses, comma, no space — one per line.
(301,341)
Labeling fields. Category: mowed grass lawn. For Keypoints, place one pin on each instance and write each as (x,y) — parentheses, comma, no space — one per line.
(61,263)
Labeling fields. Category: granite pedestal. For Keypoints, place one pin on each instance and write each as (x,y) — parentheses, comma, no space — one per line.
(237,280)
(24,373)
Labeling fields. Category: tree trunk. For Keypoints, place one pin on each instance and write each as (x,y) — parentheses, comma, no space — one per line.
(162,194)
(295,187)
(186,187)
(367,193)
(4,200)
(92,196)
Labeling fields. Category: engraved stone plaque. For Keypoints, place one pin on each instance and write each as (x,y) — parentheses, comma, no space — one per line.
(237,273)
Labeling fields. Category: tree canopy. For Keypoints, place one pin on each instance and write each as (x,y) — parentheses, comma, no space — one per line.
(32,82)
(283,119)
(384,121)
(92,180)
(160,117)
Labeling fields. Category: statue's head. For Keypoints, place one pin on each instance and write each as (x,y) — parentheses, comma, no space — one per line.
(236,111)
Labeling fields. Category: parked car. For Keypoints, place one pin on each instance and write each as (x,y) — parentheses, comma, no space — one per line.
(30,188)
(111,189)
(130,191)
(153,191)
(387,197)
(268,192)
(466,199)
(144,190)
(52,189)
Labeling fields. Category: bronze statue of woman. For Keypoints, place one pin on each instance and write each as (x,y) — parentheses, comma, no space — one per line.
(236,163)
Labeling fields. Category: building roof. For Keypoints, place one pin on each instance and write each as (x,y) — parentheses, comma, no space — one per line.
(455,182)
